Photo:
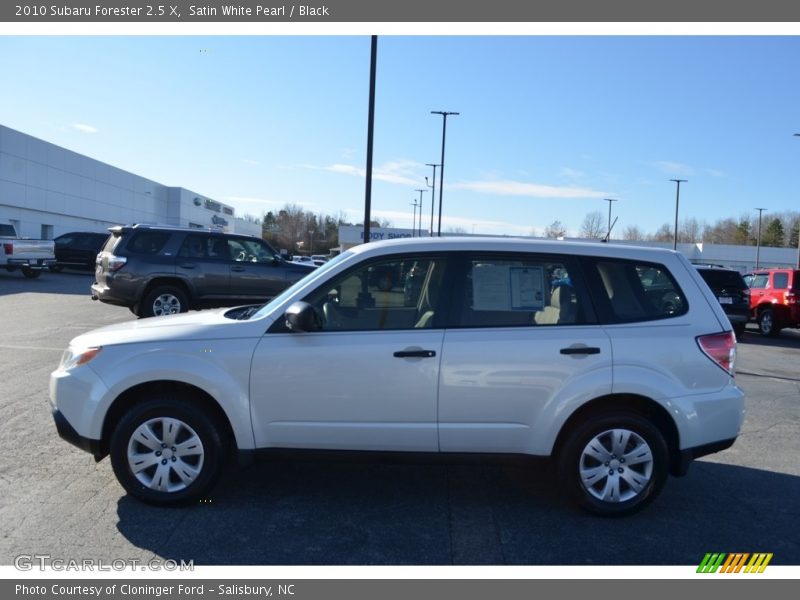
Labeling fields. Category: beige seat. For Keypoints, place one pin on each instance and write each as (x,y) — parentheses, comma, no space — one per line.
(562,308)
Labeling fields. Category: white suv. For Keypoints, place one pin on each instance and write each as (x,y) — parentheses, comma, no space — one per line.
(616,361)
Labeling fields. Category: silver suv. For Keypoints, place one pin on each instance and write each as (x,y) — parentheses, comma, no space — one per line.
(618,362)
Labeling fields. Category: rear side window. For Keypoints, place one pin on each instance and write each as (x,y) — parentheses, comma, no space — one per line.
(147,242)
(637,291)
(780,281)
(722,279)
(524,291)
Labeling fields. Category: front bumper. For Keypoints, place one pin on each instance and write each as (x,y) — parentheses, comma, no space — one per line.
(68,433)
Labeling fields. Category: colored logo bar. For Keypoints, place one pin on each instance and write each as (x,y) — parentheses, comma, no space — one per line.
(736,562)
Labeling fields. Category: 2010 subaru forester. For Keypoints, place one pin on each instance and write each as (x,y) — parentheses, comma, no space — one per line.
(618,362)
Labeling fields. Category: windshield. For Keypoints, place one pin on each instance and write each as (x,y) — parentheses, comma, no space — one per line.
(312,276)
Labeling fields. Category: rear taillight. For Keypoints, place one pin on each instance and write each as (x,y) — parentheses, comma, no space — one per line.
(8,248)
(790,298)
(115,263)
(721,348)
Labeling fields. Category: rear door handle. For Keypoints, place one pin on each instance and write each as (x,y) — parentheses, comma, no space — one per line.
(572,350)
(415,354)
(188,266)
(237,269)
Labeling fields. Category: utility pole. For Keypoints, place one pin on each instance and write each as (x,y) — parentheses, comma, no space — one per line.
(444,114)
(433,190)
(677,202)
(420,210)
(370,134)
(758,239)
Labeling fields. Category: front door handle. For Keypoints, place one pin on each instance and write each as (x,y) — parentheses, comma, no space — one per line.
(188,266)
(237,269)
(580,350)
(415,354)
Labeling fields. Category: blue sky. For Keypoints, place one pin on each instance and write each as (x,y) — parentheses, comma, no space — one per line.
(549,125)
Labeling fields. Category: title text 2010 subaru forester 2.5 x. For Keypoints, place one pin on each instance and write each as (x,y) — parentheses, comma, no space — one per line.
(616,361)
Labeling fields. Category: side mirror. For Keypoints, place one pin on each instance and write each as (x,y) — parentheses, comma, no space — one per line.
(301,316)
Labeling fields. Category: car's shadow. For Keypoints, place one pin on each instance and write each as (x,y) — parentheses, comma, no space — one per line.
(65,282)
(386,512)
(787,338)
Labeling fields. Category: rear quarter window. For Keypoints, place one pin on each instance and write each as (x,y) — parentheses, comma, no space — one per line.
(631,291)
(147,242)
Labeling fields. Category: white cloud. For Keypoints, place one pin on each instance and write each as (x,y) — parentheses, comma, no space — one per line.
(249,161)
(402,172)
(83,127)
(571,173)
(402,219)
(521,188)
(672,168)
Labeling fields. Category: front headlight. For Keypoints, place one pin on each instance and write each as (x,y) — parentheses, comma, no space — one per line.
(74,357)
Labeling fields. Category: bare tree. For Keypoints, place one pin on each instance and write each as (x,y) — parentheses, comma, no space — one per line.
(633,233)
(592,226)
(555,230)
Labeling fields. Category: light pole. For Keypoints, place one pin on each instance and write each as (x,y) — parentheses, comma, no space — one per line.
(758,240)
(798,230)
(370,136)
(677,202)
(420,210)
(433,190)
(444,114)
(609,200)
(414,226)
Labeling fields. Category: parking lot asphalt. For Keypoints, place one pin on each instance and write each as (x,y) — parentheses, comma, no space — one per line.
(345,509)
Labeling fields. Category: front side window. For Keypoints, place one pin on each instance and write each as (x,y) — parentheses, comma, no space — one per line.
(509,292)
(242,250)
(639,291)
(759,280)
(397,293)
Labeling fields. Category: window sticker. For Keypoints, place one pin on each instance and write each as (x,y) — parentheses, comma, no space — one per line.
(527,288)
(502,287)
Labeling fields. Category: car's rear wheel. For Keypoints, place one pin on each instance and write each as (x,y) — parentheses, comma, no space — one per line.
(767,324)
(167,451)
(613,464)
(163,300)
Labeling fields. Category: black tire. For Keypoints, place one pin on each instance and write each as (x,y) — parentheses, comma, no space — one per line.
(56,268)
(31,273)
(193,425)
(767,323)
(163,299)
(738,330)
(599,430)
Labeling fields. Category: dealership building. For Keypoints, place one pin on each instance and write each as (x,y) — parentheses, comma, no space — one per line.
(47,190)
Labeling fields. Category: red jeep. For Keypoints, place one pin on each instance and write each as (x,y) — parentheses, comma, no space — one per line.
(773,299)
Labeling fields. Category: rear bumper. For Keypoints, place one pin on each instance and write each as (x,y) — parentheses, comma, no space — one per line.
(32,263)
(103,293)
(680,466)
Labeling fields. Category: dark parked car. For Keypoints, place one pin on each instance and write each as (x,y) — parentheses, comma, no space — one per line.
(155,270)
(732,292)
(78,249)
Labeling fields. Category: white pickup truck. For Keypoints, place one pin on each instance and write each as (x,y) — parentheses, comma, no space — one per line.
(30,256)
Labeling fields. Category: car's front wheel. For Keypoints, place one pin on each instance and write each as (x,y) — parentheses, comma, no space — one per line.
(167,451)
(613,464)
